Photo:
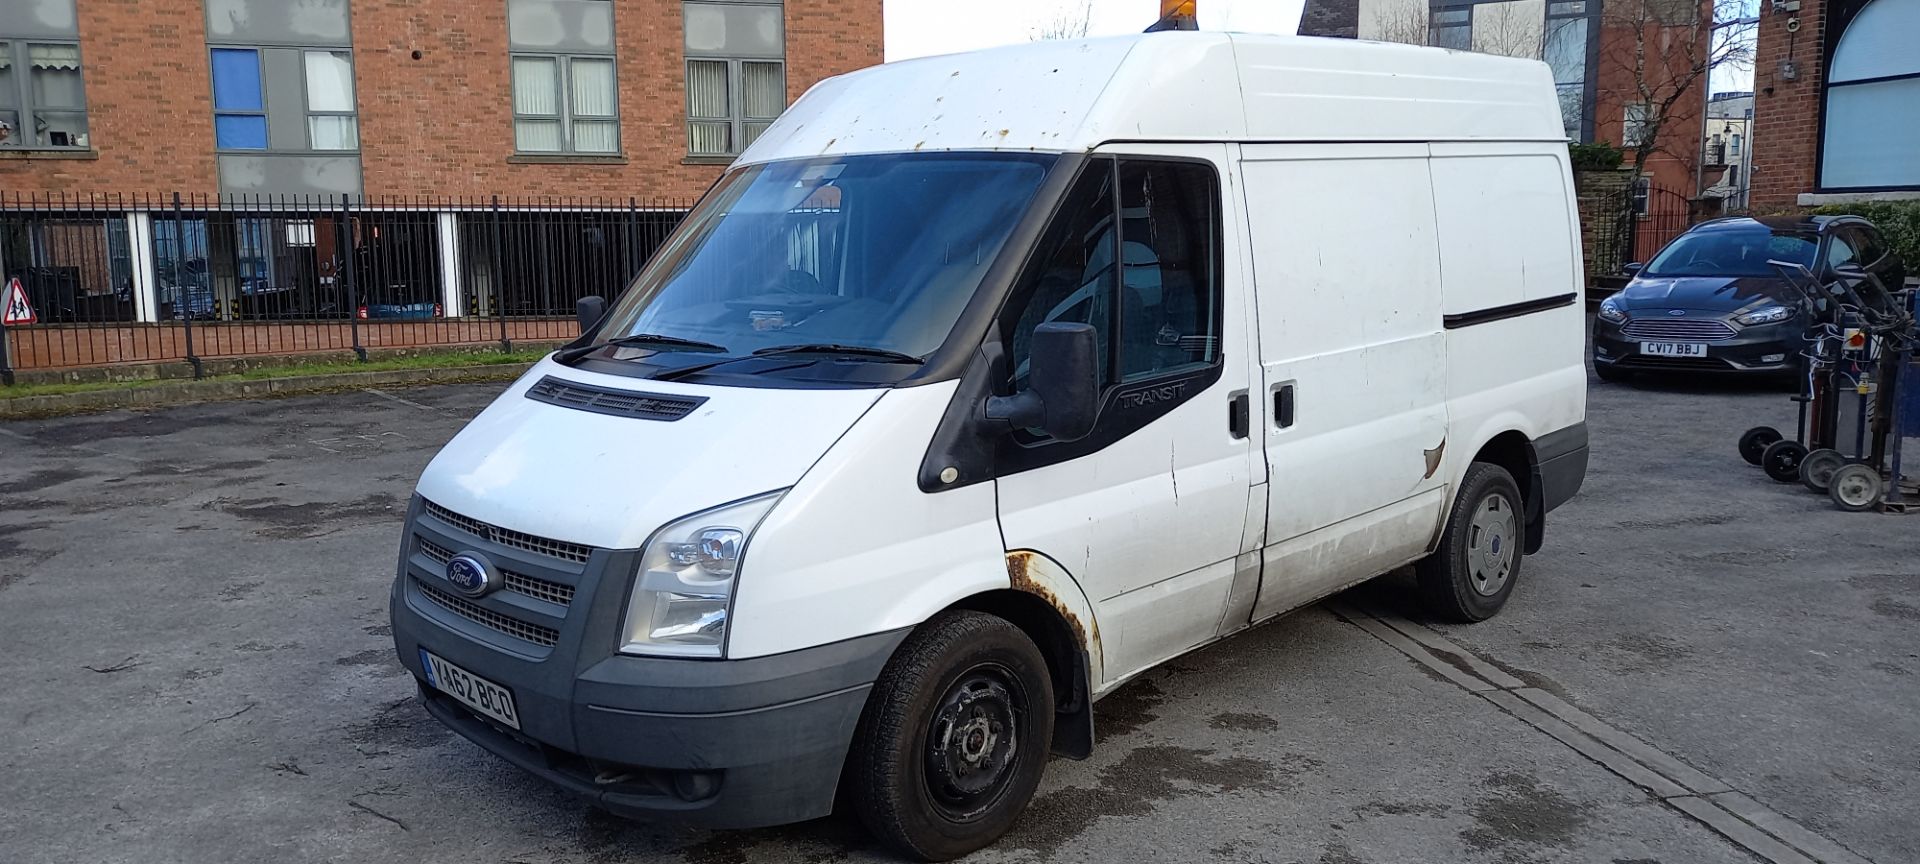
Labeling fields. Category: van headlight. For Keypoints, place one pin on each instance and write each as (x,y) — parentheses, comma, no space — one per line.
(1766,315)
(1610,310)
(686,578)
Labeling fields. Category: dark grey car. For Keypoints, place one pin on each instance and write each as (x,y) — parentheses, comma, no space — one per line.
(1710,302)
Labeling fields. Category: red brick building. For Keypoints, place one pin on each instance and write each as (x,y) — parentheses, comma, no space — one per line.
(1836,102)
(423,99)
(341,157)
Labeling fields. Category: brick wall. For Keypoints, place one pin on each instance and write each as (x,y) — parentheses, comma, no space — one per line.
(441,124)
(1786,114)
(150,105)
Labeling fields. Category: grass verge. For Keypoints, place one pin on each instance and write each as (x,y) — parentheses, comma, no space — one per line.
(295,370)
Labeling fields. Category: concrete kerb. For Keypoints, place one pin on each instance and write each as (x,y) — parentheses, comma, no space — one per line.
(179,392)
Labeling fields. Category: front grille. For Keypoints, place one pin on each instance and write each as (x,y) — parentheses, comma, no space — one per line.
(508,537)
(620,403)
(545,637)
(1678,329)
(538,589)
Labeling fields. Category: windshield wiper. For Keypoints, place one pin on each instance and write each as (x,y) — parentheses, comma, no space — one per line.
(876,354)
(882,354)
(636,339)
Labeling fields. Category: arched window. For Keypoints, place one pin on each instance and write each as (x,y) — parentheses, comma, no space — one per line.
(1872,115)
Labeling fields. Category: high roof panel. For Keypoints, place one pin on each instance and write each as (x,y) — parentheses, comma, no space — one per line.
(1180,86)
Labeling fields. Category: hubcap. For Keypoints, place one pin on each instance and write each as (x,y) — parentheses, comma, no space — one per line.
(1492,542)
(972,742)
(1855,489)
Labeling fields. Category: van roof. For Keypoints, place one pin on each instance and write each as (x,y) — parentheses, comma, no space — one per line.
(1172,86)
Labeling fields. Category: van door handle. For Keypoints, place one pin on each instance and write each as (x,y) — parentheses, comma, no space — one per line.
(1283,406)
(1239,415)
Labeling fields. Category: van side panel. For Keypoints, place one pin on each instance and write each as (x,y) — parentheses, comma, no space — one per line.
(1508,236)
(1345,261)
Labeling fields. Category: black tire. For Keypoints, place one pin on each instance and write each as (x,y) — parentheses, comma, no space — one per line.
(1473,572)
(1856,488)
(1816,469)
(1754,442)
(1611,375)
(967,692)
(1782,459)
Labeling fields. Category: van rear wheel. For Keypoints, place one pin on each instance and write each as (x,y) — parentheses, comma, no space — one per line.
(954,737)
(1473,572)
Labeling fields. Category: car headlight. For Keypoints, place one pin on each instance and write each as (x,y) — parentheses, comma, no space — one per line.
(684,585)
(1766,315)
(1610,310)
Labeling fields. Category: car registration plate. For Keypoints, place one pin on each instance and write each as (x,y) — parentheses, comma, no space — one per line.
(473,691)
(1674,349)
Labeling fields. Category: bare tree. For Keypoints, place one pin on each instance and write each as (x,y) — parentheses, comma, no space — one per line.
(1509,29)
(1665,49)
(1065,22)
(1404,21)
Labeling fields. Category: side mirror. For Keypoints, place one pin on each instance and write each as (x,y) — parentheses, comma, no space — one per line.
(1632,269)
(589,310)
(1065,375)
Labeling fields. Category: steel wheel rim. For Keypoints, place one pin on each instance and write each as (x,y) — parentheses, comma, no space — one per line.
(973,741)
(1492,536)
(1854,488)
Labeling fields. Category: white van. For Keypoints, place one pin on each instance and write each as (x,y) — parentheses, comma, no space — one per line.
(982,383)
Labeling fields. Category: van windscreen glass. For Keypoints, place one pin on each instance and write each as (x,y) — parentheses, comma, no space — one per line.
(876,254)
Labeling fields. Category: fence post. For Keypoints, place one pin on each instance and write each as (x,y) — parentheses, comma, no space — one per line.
(499,292)
(183,294)
(346,272)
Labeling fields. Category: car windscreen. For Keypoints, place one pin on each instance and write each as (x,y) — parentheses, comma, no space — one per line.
(1732,252)
(875,252)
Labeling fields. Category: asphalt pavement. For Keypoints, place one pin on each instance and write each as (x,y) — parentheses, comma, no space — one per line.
(197,668)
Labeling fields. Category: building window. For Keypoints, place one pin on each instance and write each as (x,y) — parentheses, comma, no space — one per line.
(1565,51)
(1453,28)
(736,73)
(1642,190)
(566,86)
(43,100)
(1734,147)
(1637,125)
(565,105)
(319,82)
(1872,115)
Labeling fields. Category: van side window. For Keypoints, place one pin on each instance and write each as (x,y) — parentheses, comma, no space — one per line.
(1162,317)
(1071,277)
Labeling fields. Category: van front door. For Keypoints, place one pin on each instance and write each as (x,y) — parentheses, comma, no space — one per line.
(1347,263)
(1148,513)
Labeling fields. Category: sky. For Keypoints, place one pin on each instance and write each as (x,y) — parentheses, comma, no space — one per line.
(918,28)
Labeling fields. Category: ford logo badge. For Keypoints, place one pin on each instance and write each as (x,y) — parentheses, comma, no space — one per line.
(469,573)
(1676,311)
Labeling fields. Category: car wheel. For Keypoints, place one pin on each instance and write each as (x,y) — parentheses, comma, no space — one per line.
(954,737)
(1473,572)
(1816,470)
(1754,442)
(1856,487)
(1781,460)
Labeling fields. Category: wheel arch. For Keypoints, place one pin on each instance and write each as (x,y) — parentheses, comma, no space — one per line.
(1513,450)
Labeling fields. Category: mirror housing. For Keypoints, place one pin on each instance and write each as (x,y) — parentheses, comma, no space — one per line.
(589,310)
(1064,398)
(1633,268)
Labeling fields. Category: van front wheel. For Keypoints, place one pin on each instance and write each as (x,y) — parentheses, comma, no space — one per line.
(1473,572)
(954,737)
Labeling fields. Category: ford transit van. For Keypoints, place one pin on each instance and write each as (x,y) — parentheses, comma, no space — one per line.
(983,383)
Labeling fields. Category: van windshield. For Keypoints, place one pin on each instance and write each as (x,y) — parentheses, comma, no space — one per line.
(875,253)
(1732,252)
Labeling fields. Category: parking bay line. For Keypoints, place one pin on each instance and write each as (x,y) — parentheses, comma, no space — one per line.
(1708,800)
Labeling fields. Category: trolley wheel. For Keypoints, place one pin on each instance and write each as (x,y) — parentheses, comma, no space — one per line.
(1781,460)
(1816,470)
(1754,443)
(1856,487)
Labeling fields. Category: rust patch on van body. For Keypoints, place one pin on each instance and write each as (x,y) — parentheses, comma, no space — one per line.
(1018,567)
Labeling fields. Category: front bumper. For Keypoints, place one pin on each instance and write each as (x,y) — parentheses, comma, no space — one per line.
(1762,349)
(720,743)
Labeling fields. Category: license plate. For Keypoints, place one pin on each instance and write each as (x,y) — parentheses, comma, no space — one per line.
(473,691)
(1674,349)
